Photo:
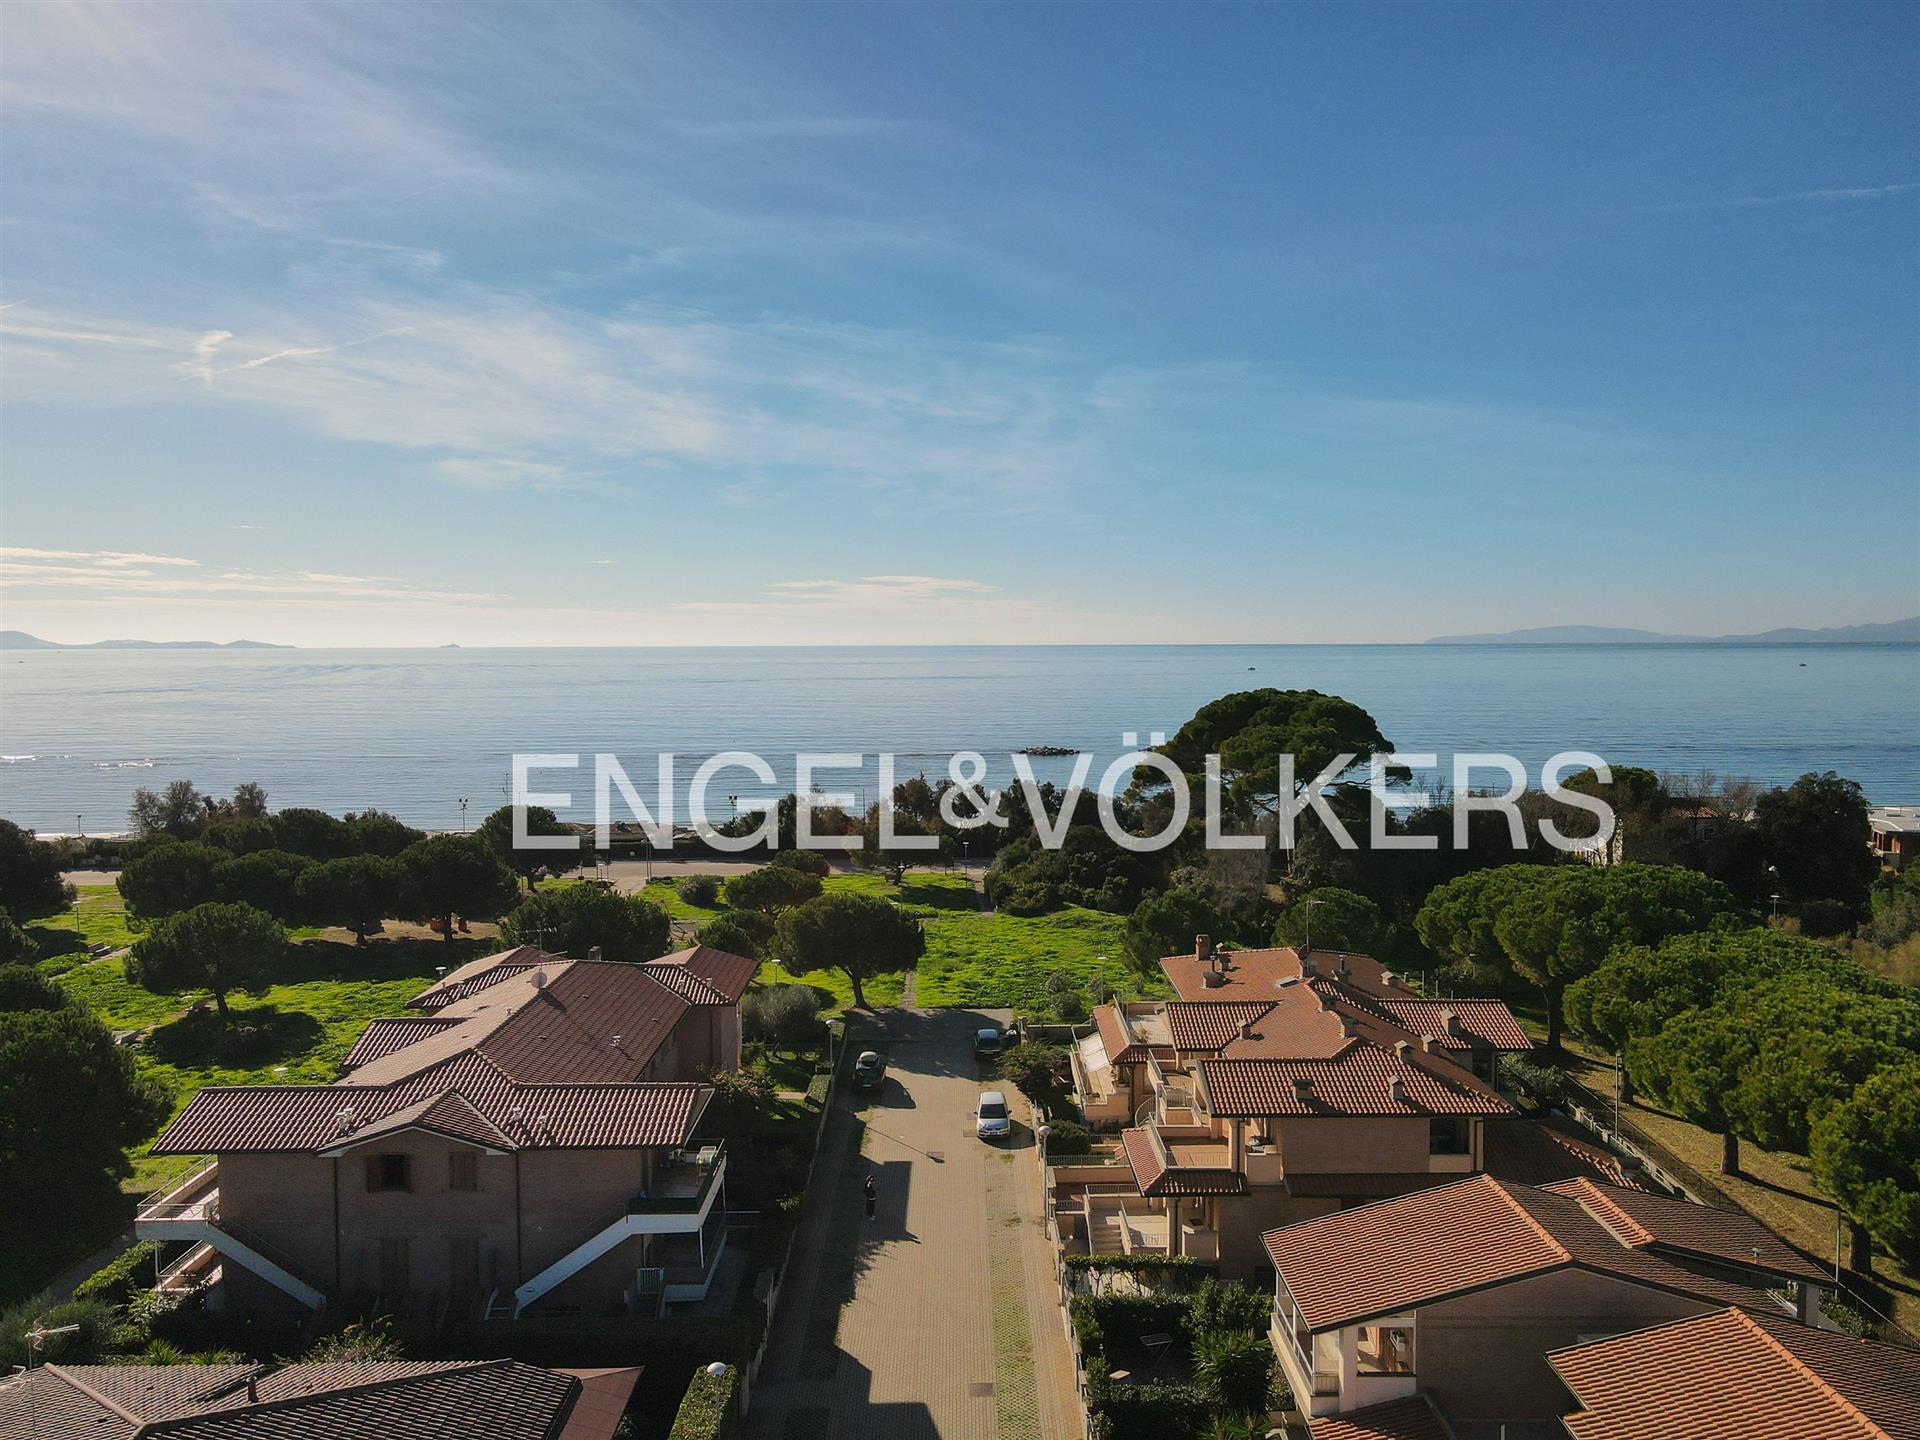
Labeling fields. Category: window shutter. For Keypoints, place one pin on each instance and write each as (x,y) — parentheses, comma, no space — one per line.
(373,1172)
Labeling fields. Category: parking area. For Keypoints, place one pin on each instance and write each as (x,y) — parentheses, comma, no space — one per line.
(936,1318)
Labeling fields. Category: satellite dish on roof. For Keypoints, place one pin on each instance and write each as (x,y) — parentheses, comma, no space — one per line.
(539,978)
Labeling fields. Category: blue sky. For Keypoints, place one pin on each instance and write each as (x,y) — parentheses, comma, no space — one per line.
(923,323)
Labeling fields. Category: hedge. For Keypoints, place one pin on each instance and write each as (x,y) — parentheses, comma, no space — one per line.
(818,1089)
(709,1410)
(116,1281)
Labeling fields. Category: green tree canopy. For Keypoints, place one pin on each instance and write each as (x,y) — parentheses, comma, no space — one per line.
(739,932)
(214,947)
(1033,1068)
(70,1100)
(1637,990)
(374,832)
(859,935)
(24,988)
(179,811)
(1250,730)
(1815,835)
(30,883)
(313,833)
(572,919)
(356,891)
(268,880)
(242,834)
(1866,1151)
(772,889)
(530,863)
(1549,925)
(1334,919)
(449,875)
(1165,924)
(168,877)
(16,946)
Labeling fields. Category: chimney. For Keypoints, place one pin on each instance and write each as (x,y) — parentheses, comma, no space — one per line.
(1203,948)
(1349,1027)
(1401,1049)
(1428,1044)
(253,1390)
(1386,978)
(1308,965)
(1396,1089)
(1303,1088)
(1246,1029)
(1451,1021)
(1343,971)
(594,952)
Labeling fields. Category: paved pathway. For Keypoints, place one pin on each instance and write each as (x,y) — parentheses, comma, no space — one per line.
(935,1320)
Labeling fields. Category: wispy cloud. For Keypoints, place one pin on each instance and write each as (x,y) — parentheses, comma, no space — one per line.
(1832,196)
(105,559)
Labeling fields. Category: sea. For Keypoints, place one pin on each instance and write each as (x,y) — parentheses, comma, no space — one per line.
(419,732)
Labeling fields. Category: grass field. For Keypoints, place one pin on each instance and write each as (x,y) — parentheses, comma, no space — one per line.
(97,917)
(972,957)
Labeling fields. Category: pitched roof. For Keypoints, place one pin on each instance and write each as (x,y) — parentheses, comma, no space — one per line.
(389,1033)
(726,974)
(1550,1150)
(1414,1418)
(1734,1374)
(1359,1080)
(1161,1170)
(479,974)
(1488,1024)
(1117,1036)
(400,1400)
(446,1112)
(1412,1250)
(1210,1024)
(1256,974)
(1646,1220)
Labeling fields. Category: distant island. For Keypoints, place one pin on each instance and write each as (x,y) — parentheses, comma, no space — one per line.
(1892,632)
(20,640)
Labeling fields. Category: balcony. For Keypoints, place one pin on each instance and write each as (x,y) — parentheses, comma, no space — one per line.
(683,1182)
(184,1211)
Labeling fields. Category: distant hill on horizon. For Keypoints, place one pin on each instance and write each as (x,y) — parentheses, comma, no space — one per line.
(20,640)
(1891,632)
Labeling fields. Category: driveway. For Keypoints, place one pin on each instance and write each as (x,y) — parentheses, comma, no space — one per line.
(937,1318)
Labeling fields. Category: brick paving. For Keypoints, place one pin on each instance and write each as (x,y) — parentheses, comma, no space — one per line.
(932,1321)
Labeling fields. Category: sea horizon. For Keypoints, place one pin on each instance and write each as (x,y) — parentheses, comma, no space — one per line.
(414,730)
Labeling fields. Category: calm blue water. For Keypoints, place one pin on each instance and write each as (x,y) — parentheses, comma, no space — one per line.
(412,731)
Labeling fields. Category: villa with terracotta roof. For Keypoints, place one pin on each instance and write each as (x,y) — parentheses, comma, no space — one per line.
(523,1142)
(1457,1293)
(357,1400)
(1735,1373)
(1279,1085)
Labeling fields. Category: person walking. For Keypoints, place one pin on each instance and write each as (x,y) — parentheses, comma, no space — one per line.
(873,1195)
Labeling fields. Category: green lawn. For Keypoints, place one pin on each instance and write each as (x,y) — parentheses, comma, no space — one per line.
(97,917)
(972,958)
(298,1031)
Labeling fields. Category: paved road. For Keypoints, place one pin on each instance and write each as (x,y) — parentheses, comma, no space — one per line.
(935,1320)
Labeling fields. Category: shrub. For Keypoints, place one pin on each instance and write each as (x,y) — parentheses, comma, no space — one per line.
(708,1410)
(98,1329)
(818,1090)
(701,890)
(1033,1068)
(359,1341)
(1235,1369)
(784,1016)
(739,932)
(118,1279)
(1541,1086)
(1221,1306)
(810,862)
(740,1099)
(1066,1138)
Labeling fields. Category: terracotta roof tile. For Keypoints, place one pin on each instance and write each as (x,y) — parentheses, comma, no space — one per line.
(1415,1249)
(725,973)
(389,1033)
(402,1400)
(1210,1024)
(1155,1176)
(1413,1418)
(1547,1151)
(1649,1220)
(1357,1081)
(1736,1374)
(480,974)
(1116,1036)
(1256,974)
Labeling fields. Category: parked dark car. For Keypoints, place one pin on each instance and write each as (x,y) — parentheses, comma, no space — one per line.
(987,1044)
(869,1071)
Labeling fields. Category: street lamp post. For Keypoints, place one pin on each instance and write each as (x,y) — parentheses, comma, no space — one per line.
(463,816)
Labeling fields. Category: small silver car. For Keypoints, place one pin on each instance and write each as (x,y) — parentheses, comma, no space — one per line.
(991,1120)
